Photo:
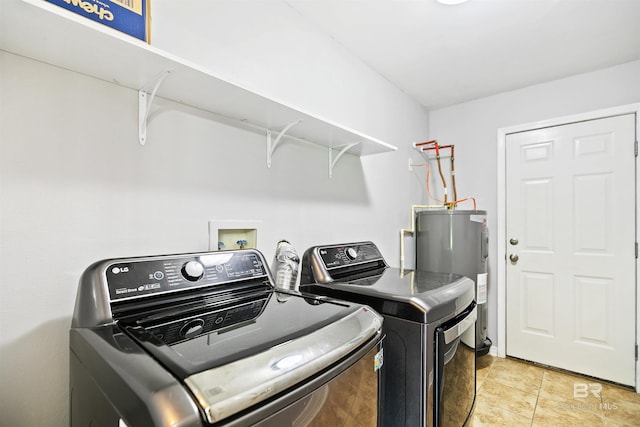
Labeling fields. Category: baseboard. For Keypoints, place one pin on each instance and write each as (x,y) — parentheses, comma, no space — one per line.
(493,351)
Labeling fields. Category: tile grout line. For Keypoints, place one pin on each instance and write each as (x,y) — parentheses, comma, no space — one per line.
(535,408)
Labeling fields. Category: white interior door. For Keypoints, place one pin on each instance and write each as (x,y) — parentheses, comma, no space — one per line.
(570,230)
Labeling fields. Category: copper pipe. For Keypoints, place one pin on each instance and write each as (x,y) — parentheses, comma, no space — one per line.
(453,175)
(444,182)
(433,141)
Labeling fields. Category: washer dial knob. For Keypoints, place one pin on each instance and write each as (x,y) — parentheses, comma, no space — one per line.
(192,271)
(192,328)
(351,253)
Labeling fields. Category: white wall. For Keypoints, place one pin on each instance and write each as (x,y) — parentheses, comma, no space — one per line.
(271,49)
(76,187)
(473,126)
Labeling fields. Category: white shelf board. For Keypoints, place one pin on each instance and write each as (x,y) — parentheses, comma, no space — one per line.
(45,32)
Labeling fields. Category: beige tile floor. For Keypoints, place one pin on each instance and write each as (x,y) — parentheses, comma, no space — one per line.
(515,393)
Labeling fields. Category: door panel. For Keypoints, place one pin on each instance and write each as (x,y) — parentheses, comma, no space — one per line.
(538,303)
(593,222)
(570,224)
(593,303)
(538,224)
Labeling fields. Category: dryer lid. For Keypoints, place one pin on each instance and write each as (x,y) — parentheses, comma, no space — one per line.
(419,296)
(357,272)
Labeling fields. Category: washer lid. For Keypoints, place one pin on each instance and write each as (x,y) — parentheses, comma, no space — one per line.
(242,328)
(228,389)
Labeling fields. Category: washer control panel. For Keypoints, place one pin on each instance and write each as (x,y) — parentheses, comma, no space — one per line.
(184,329)
(145,277)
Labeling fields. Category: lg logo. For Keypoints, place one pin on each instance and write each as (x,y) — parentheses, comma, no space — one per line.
(582,390)
(118,270)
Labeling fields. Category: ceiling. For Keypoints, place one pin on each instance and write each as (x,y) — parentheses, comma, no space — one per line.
(443,55)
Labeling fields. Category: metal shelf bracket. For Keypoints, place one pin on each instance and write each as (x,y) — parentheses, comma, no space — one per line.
(271,145)
(145,101)
(344,149)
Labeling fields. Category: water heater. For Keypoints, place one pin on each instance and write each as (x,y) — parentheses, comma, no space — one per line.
(456,241)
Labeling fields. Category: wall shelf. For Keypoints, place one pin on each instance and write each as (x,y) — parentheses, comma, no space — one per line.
(45,32)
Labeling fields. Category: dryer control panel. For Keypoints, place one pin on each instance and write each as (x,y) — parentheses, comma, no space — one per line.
(328,263)
(349,254)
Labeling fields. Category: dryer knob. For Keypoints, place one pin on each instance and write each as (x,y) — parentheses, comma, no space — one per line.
(351,253)
(192,271)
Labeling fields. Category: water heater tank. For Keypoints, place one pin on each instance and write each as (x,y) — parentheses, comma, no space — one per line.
(456,241)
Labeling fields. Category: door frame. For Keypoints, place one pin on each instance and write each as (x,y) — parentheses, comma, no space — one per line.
(501,272)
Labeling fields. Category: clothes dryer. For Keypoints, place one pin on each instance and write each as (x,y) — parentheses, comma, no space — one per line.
(429,326)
